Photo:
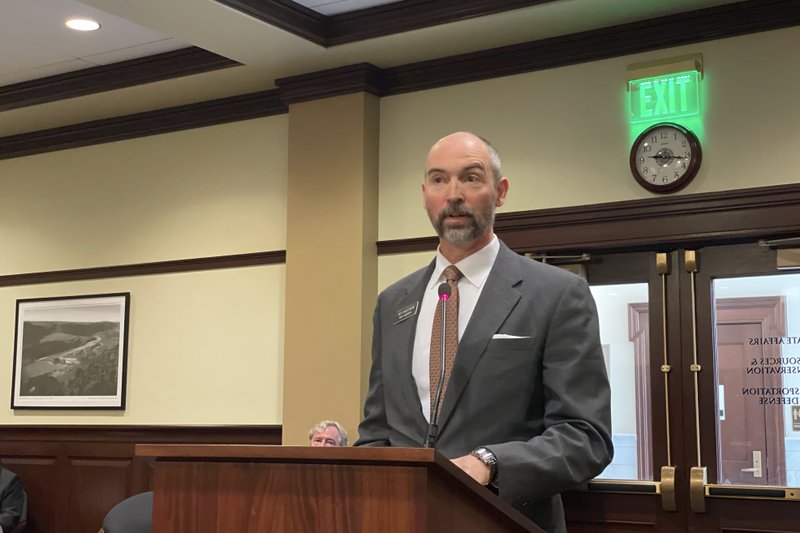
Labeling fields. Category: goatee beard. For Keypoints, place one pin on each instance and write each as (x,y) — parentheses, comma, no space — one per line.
(475,225)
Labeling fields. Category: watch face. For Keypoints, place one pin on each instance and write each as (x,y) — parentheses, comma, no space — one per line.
(665,157)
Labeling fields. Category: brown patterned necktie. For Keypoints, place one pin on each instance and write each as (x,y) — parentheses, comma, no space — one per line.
(451,275)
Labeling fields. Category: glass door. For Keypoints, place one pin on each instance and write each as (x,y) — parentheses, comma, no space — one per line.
(746,314)
(703,353)
(639,490)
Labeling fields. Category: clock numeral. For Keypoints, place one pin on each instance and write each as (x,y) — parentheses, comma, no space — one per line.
(654,139)
(646,148)
(683,142)
(645,170)
(665,135)
(677,175)
(641,160)
(665,180)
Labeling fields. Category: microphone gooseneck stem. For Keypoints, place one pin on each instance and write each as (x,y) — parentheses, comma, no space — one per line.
(433,427)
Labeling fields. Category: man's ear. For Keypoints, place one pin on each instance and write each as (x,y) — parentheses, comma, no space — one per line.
(502,190)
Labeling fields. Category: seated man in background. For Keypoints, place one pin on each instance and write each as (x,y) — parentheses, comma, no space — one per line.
(327,433)
(12,500)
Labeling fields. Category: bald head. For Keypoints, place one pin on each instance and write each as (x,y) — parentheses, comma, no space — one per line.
(471,141)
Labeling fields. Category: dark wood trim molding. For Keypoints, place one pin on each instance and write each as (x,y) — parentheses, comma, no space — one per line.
(615,41)
(146,269)
(604,43)
(371,22)
(167,65)
(212,112)
(286,15)
(704,24)
(409,15)
(362,77)
(663,223)
(211,434)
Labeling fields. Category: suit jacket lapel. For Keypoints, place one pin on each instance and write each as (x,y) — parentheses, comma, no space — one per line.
(498,298)
(404,333)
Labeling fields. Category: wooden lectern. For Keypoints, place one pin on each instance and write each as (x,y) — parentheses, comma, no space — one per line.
(281,489)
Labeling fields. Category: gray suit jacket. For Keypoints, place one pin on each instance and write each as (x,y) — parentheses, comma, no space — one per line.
(12,500)
(540,402)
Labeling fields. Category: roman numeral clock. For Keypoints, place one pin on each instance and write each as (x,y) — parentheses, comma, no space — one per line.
(665,157)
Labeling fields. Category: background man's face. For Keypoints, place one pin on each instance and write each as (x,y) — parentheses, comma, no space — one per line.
(327,438)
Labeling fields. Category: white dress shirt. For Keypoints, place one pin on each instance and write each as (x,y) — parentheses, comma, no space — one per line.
(476,269)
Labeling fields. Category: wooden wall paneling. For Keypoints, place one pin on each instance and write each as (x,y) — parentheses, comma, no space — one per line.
(74,474)
(38,475)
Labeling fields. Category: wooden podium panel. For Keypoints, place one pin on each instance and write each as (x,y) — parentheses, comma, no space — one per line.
(253,488)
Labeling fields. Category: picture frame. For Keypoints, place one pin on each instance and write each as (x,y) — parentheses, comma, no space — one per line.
(71,352)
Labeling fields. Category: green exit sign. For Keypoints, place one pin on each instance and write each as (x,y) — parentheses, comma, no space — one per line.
(662,97)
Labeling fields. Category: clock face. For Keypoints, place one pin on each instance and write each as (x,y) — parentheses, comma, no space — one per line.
(665,157)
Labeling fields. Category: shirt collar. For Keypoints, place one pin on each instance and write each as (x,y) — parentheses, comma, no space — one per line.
(475,267)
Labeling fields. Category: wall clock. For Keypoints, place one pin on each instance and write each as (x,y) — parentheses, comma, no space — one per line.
(665,157)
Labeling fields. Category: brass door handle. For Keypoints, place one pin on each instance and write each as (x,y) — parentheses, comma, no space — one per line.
(668,502)
(697,488)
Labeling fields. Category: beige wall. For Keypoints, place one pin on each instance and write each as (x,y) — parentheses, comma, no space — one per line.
(197,193)
(207,347)
(204,347)
(565,140)
(331,263)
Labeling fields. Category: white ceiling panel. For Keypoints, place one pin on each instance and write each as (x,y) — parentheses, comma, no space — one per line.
(34,40)
(334,7)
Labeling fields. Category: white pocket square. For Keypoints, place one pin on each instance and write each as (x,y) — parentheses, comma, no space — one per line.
(504,336)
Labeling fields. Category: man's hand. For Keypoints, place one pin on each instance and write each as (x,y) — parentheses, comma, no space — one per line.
(474,468)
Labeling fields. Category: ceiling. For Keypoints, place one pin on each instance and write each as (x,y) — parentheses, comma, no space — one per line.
(259,41)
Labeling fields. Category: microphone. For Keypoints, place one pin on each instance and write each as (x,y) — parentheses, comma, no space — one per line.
(433,427)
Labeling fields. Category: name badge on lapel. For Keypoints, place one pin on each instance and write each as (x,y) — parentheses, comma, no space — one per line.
(404,313)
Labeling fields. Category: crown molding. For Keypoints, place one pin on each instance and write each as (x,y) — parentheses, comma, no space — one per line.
(362,77)
(614,41)
(209,113)
(168,65)
(697,26)
(398,17)
(371,22)
(286,15)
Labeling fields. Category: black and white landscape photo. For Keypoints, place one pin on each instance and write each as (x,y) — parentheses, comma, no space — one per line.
(70,353)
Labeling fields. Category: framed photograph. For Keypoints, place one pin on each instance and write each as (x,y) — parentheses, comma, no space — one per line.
(71,352)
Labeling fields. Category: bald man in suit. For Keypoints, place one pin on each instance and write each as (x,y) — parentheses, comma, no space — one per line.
(527,403)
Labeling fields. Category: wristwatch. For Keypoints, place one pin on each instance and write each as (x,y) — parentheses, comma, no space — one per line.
(488,458)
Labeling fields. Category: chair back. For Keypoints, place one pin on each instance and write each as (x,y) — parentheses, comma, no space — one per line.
(132,515)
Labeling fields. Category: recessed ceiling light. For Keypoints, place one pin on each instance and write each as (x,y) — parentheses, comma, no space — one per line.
(82,24)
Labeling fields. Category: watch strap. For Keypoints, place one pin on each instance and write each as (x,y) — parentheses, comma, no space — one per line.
(487,457)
